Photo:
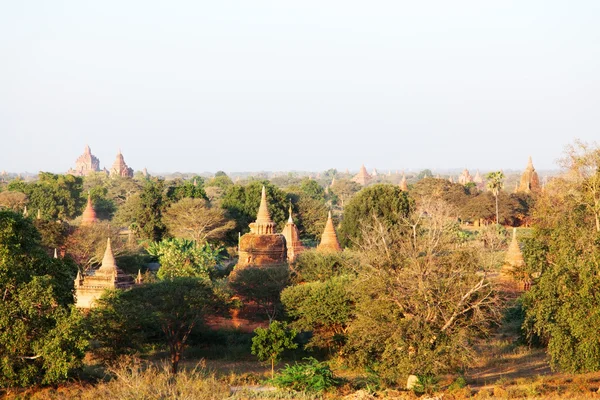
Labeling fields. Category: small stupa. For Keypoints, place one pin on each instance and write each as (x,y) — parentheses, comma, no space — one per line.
(530,181)
(363,177)
(89,214)
(262,246)
(403,183)
(514,257)
(479,181)
(89,288)
(329,240)
(292,239)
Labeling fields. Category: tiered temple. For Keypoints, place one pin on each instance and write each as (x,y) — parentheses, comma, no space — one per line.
(530,181)
(120,168)
(479,181)
(262,246)
(362,177)
(89,288)
(292,239)
(89,214)
(85,163)
(329,240)
(465,177)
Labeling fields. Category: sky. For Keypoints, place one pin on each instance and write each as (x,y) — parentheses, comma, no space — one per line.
(194,86)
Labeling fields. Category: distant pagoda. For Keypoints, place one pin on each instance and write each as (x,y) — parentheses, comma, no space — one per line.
(530,181)
(89,214)
(465,177)
(262,246)
(479,181)
(329,240)
(85,163)
(89,288)
(403,183)
(120,168)
(292,239)
(362,177)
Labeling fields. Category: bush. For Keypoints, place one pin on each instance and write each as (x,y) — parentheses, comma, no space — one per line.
(311,376)
(134,380)
(426,384)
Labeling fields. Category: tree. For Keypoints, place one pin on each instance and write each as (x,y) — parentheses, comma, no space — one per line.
(196,220)
(345,189)
(185,258)
(421,295)
(324,308)
(269,344)
(262,286)
(495,183)
(175,306)
(148,216)
(562,308)
(86,244)
(386,202)
(41,340)
(56,196)
(178,189)
(14,201)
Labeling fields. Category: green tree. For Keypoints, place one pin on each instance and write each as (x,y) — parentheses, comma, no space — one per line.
(269,344)
(56,196)
(185,258)
(421,296)
(495,183)
(178,189)
(262,286)
(386,202)
(174,306)
(344,189)
(148,215)
(324,308)
(41,340)
(562,308)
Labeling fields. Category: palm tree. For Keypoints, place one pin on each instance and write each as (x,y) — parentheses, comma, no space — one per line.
(495,183)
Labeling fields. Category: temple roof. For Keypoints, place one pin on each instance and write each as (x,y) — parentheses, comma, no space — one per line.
(89,214)
(514,257)
(329,240)
(403,183)
(263,216)
(363,176)
(109,265)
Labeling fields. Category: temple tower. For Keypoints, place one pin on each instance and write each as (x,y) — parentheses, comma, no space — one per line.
(90,287)
(292,239)
(85,163)
(362,177)
(465,177)
(262,246)
(120,168)
(530,181)
(329,240)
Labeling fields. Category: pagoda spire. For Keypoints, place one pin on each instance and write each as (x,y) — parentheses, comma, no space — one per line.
(55,253)
(329,240)
(89,214)
(290,220)
(403,183)
(263,216)
(109,265)
(138,280)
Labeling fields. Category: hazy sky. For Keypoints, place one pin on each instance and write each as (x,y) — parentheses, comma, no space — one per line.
(305,85)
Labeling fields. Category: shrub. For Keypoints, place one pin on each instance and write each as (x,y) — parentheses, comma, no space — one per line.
(426,384)
(310,376)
